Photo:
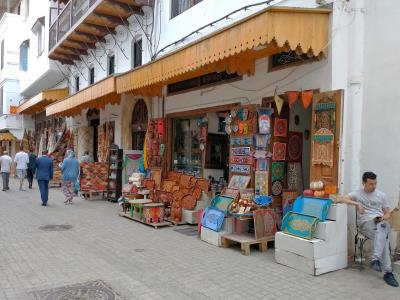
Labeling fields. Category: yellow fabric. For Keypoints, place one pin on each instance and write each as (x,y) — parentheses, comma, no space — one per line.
(234,49)
(7,136)
(94,96)
(37,103)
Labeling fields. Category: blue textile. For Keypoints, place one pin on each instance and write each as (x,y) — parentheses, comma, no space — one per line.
(44,168)
(70,169)
(44,190)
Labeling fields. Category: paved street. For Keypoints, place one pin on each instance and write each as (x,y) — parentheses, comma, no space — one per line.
(139,262)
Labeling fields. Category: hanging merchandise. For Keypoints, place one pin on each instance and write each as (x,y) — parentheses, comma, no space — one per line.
(278,102)
(325,116)
(276,188)
(261,141)
(322,147)
(279,151)
(294,176)
(242,140)
(280,127)
(245,160)
(261,182)
(264,120)
(295,146)
(292,97)
(277,170)
(241,169)
(241,151)
(262,164)
(306,98)
(262,154)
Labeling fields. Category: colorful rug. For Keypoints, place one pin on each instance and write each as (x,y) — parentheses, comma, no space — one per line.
(295,146)
(277,170)
(280,127)
(279,151)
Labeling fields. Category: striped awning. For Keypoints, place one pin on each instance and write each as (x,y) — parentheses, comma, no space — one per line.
(97,95)
(234,49)
(38,103)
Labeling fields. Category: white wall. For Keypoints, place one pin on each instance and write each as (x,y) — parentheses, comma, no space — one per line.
(42,73)
(380,109)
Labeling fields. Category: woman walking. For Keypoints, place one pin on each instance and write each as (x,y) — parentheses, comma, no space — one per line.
(70,170)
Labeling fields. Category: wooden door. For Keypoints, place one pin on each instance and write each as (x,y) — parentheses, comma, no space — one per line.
(326,119)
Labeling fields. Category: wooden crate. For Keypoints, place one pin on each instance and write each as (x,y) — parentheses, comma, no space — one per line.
(134,218)
(245,241)
(55,183)
(93,194)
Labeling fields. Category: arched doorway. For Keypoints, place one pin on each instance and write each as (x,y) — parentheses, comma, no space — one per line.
(139,124)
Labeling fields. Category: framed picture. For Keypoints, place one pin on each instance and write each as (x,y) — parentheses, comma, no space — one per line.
(239,182)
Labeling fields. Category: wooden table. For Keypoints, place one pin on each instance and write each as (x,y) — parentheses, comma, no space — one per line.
(137,206)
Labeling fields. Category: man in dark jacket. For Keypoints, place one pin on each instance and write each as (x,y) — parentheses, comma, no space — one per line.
(31,167)
(44,173)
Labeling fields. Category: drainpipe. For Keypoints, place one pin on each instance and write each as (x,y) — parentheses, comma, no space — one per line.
(355,90)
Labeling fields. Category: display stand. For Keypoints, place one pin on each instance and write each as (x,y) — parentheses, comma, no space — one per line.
(146,212)
(264,230)
(115,166)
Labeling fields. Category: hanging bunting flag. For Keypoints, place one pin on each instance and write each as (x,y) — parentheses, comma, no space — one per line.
(292,97)
(306,97)
(278,102)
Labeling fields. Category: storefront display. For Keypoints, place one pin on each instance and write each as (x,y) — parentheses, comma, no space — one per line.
(94,176)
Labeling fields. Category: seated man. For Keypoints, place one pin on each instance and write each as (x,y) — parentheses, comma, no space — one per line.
(374,213)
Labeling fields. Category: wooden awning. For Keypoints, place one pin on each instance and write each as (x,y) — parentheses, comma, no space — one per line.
(95,96)
(7,136)
(40,101)
(234,49)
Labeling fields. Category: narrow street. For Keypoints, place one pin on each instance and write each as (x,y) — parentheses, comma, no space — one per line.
(139,262)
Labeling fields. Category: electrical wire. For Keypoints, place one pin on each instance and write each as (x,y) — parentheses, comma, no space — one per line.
(213,23)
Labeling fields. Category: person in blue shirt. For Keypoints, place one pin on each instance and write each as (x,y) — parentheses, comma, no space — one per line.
(44,173)
(70,170)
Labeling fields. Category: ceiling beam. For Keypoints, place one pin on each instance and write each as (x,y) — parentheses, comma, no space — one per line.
(81,45)
(73,50)
(111,19)
(119,6)
(93,29)
(83,37)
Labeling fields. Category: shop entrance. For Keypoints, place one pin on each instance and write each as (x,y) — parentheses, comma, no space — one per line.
(93,117)
(139,124)
(200,144)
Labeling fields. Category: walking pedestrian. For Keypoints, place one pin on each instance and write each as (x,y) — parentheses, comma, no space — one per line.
(31,167)
(70,170)
(44,173)
(5,168)
(22,161)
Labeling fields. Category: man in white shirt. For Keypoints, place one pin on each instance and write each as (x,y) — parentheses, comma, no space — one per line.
(22,161)
(5,169)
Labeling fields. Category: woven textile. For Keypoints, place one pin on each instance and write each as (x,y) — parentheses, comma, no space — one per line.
(295,146)
(277,170)
(280,127)
(279,151)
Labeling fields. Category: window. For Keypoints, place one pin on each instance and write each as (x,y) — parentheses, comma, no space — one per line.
(179,6)
(76,84)
(2,54)
(91,75)
(23,55)
(136,53)
(202,81)
(40,40)
(111,64)
(288,59)
(1,100)
(38,30)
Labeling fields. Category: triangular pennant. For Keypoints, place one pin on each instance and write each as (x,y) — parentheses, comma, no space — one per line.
(279,103)
(292,97)
(306,97)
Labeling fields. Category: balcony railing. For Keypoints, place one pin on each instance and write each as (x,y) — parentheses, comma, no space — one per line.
(69,16)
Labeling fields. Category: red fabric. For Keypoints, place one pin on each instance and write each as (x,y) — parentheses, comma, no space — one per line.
(280,127)
(279,151)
